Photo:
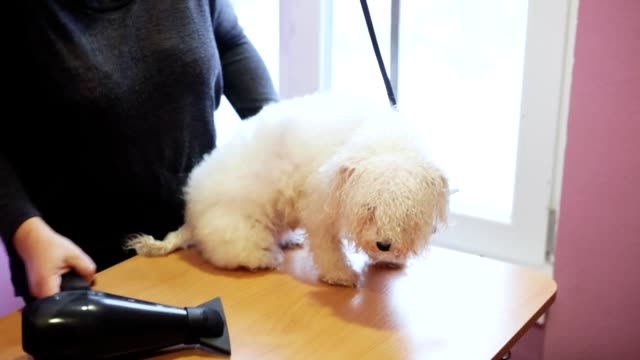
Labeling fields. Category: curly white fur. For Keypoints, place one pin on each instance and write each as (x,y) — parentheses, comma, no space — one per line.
(338,167)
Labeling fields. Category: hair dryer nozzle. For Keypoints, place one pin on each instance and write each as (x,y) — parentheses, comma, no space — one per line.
(210,326)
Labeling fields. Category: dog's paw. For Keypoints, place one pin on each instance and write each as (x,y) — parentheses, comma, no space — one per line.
(292,239)
(348,278)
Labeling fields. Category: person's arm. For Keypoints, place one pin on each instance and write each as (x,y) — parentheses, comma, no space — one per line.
(15,205)
(46,254)
(247,83)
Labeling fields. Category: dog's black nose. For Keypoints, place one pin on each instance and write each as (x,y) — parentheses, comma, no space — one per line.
(383,246)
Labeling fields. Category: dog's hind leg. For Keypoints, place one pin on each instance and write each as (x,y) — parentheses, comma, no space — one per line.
(230,240)
(147,245)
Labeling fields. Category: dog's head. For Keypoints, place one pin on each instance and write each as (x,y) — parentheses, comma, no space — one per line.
(391,204)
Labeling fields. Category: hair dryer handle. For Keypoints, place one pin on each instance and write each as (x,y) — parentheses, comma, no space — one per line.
(73,281)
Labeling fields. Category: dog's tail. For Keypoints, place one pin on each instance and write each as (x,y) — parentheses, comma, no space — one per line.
(147,245)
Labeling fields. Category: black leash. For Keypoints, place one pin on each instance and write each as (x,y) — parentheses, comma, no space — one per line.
(376,49)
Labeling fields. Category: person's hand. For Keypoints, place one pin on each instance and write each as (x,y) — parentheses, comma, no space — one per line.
(47,255)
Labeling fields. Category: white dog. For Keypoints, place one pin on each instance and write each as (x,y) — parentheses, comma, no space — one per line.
(337,167)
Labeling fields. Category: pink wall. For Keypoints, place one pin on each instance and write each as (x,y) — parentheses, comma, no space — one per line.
(8,302)
(597,311)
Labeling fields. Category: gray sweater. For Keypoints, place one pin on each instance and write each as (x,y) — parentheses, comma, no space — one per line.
(113,104)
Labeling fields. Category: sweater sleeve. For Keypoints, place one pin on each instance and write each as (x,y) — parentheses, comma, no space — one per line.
(247,83)
(15,206)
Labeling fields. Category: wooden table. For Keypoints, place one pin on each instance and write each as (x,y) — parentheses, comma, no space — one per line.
(446,305)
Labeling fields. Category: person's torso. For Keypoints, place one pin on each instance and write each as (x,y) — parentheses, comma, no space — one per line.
(115,106)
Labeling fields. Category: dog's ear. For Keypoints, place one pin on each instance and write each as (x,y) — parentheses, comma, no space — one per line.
(335,175)
(441,201)
(371,214)
(345,172)
(366,216)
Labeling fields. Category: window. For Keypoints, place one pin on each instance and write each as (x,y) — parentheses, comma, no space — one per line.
(260,21)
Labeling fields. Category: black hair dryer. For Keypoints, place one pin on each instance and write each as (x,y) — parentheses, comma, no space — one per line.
(79,323)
